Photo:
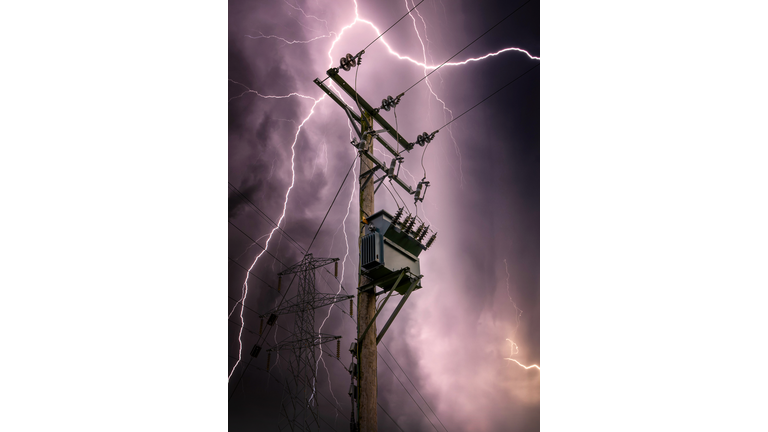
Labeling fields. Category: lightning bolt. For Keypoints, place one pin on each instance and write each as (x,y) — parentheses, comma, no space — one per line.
(249,90)
(249,247)
(282,216)
(236,259)
(514,347)
(416,62)
(263,36)
(298,8)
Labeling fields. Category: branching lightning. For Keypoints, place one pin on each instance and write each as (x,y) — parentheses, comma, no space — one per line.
(309,16)
(282,216)
(263,36)
(249,90)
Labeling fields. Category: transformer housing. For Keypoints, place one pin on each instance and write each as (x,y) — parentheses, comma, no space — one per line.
(386,250)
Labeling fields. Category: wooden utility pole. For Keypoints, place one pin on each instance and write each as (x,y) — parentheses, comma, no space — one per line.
(366,301)
(363,389)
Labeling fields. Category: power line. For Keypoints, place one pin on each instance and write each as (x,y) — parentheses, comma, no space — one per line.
(313,240)
(414,385)
(476,39)
(264,215)
(409,380)
(317,391)
(385,31)
(252,331)
(334,200)
(409,393)
(254,241)
(251,273)
(377,403)
(406,14)
(390,417)
(403,385)
(488,97)
(293,242)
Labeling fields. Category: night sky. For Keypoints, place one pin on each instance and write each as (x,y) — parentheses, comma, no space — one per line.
(481,278)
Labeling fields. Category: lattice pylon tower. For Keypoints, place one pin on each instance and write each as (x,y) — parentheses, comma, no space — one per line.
(301,412)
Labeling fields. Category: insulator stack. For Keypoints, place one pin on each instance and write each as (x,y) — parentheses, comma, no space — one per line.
(347,62)
(271,320)
(418,232)
(338,348)
(406,221)
(279,281)
(351,307)
(423,234)
(261,326)
(268,356)
(336,269)
(431,240)
(396,219)
(409,225)
(388,103)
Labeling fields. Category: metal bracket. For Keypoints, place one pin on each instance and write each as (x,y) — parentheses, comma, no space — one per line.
(368,174)
(362,336)
(397,309)
(354,122)
(381,281)
(380,181)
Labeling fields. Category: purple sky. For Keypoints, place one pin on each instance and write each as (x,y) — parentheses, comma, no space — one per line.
(451,336)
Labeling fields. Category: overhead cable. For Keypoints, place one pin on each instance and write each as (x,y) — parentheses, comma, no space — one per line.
(476,39)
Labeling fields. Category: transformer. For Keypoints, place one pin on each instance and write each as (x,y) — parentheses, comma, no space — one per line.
(386,250)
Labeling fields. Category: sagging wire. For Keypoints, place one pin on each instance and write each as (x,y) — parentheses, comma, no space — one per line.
(486,32)
(486,98)
(385,31)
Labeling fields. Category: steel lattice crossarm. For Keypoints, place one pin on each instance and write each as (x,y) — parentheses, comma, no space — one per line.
(307,264)
(315,340)
(299,303)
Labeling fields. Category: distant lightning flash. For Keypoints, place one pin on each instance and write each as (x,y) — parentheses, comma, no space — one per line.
(248,90)
(309,16)
(514,347)
(517,309)
(263,36)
